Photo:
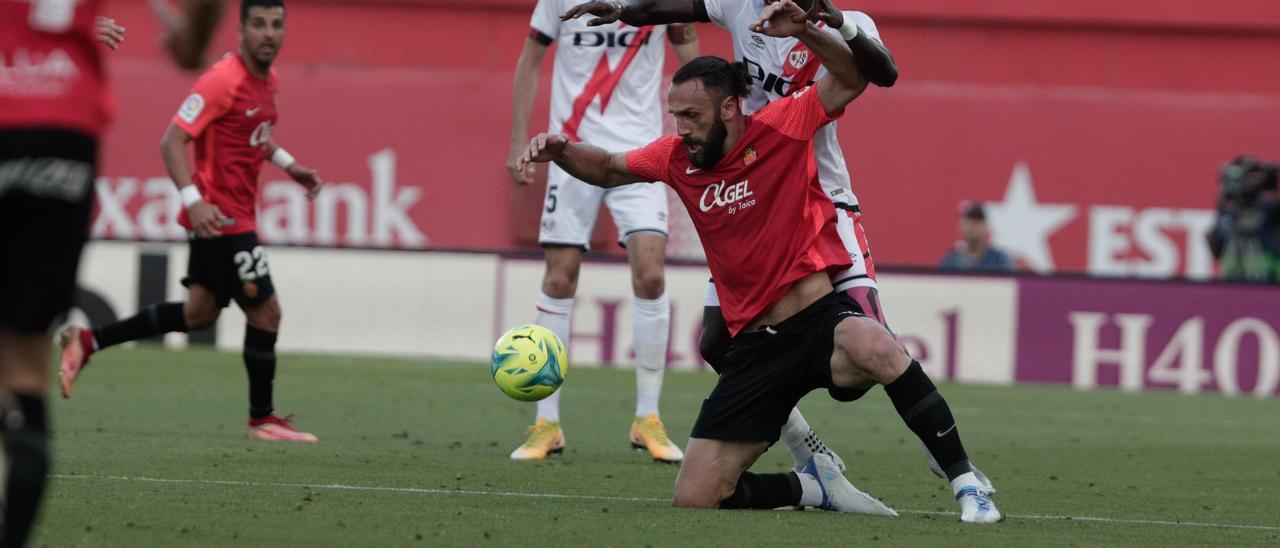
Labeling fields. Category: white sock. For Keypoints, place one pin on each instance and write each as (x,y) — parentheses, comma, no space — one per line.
(549,407)
(553,314)
(967,479)
(797,435)
(810,490)
(652,334)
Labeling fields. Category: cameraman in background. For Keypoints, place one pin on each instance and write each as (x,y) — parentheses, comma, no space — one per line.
(1246,237)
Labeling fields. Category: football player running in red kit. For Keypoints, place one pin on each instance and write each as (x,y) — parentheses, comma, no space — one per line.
(230,115)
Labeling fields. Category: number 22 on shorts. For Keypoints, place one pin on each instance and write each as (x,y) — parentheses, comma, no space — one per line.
(252,264)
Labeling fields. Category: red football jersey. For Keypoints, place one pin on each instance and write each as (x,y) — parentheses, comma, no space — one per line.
(51,73)
(760,213)
(230,114)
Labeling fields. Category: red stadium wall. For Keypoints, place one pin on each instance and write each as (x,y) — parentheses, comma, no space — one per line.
(1095,127)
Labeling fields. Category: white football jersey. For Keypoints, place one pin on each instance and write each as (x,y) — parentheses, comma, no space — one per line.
(779,66)
(606,79)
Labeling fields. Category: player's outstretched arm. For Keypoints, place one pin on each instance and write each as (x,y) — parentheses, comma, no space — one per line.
(188,31)
(639,12)
(589,164)
(206,218)
(301,174)
(874,60)
(523,89)
(843,82)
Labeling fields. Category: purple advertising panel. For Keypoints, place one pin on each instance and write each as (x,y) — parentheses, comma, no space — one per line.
(1138,335)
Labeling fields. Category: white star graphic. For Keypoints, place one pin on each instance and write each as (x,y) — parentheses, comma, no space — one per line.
(1022,227)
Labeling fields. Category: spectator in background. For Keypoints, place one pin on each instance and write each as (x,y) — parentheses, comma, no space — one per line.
(974,251)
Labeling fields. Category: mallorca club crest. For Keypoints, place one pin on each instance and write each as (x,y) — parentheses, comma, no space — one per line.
(798,58)
(749,156)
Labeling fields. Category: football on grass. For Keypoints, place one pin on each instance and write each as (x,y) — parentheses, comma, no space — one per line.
(529,363)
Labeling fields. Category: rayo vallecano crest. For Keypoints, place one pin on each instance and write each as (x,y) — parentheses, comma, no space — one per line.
(798,58)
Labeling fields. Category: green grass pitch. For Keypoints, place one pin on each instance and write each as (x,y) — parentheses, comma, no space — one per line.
(151,452)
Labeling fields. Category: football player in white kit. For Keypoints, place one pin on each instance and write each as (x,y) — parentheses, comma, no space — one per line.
(779,66)
(605,90)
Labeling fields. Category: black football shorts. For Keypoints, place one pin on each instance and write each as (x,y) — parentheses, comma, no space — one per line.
(46,193)
(232,267)
(767,371)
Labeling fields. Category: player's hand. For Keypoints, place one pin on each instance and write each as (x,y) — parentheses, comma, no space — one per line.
(781,19)
(825,12)
(306,177)
(604,12)
(544,147)
(520,173)
(108,32)
(206,219)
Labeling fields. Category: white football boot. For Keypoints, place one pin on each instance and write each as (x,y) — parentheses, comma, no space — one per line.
(984,484)
(838,495)
(975,507)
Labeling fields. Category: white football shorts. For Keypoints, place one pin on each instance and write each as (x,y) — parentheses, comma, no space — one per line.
(863,271)
(571,207)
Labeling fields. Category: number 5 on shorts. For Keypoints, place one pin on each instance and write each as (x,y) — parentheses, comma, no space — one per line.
(551,198)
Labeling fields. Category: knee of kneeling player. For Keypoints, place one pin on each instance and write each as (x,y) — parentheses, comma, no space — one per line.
(701,493)
(686,498)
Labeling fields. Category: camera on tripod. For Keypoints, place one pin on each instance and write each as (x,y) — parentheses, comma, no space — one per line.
(1245,178)
(1246,235)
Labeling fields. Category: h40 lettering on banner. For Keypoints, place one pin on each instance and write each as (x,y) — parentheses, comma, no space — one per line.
(1180,361)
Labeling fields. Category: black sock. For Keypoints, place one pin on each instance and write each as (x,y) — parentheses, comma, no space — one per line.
(260,363)
(150,321)
(26,445)
(928,415)
(764,492)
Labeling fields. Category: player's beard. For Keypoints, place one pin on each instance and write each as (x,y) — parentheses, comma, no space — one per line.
(712,148)
(261,56)
(265,58)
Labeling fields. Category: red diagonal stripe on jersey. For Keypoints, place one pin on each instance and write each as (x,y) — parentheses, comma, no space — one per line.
(806,73)
(602,83)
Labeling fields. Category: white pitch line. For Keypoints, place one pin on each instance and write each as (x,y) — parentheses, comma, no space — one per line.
(430,491)
(341,487)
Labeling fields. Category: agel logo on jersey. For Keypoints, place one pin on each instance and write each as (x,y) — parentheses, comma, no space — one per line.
(723,194)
